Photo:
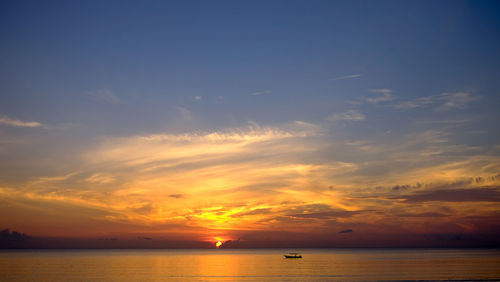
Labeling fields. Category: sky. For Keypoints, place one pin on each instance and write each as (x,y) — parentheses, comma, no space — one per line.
(252,123)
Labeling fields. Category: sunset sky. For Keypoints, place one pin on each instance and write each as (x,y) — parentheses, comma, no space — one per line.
(343,123)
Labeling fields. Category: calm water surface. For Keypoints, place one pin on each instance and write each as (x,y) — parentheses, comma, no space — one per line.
(249,265)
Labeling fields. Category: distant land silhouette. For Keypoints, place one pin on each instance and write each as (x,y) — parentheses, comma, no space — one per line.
(17,240)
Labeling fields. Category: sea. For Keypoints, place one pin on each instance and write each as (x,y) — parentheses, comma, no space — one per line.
(251,265)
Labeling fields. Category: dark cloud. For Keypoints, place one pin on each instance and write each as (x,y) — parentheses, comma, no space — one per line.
(230,244)
(401,187)
(465,183)
(319,211)
(425,214)
(311,208)
(469,182)
(346,231)
(177,196)
(328,214)
(485,194)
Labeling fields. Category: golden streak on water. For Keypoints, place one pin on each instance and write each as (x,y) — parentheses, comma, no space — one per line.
(249,265)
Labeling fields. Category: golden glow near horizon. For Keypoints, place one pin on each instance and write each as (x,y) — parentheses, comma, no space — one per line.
(247,180)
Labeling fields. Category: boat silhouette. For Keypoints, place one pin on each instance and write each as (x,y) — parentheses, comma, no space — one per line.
(293,255)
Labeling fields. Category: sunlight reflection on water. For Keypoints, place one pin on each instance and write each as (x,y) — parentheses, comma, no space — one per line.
(249,265)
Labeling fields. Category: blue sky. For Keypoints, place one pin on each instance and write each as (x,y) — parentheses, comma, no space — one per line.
(153,55)
(388,87)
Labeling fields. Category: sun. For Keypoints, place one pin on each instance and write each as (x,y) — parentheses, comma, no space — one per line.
(219,241)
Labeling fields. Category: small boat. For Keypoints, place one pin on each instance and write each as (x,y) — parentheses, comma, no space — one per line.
(293,255)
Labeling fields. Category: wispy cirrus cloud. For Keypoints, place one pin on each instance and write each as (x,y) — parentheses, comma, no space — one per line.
(458,100)
(264,92)
(100,178)
(351,76)
(126,174)
(19,123)
(381,90)
(385,97)
(184,113)
(415,103)
(104,96)
(380,99)
(442,102)
(351,115)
